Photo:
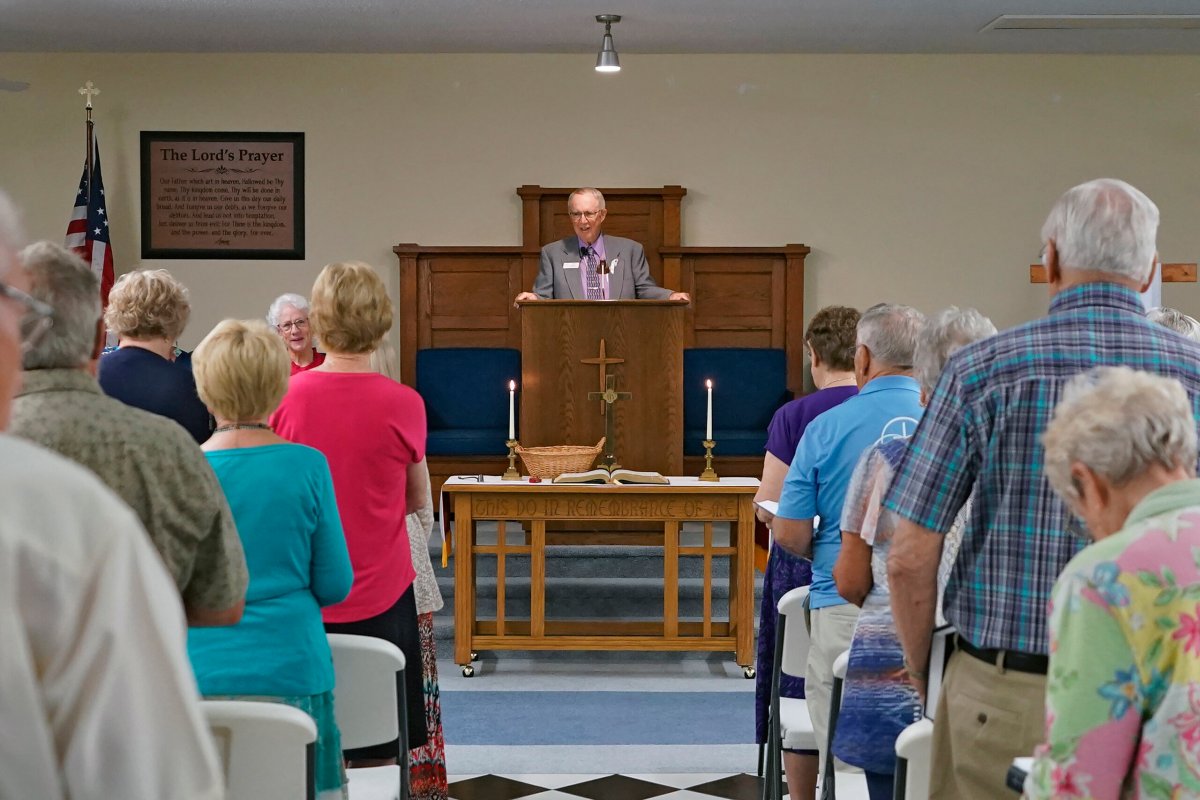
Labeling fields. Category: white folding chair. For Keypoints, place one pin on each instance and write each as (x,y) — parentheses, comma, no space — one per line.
(266,749)
(366,671)
(941,647)
(914,756)
(790,726)
(839,785)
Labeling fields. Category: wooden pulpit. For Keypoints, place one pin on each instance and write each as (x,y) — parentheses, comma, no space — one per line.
(570,347)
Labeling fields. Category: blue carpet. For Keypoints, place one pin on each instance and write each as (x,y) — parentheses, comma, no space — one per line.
(597,718)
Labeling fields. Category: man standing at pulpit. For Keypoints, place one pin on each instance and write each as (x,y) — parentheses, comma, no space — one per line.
(593,266)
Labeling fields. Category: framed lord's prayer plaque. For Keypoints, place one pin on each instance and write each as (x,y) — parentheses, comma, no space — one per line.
(222,195)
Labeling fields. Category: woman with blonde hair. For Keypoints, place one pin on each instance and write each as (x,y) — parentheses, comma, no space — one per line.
(148,310)
(372,430)
(283,502)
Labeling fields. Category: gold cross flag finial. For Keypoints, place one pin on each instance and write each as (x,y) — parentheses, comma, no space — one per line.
(88,90)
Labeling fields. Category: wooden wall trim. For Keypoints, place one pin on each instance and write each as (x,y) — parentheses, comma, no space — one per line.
(786,250)
(1171,273)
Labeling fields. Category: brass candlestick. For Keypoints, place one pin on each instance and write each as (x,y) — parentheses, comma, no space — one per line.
(511,473)
(709,473)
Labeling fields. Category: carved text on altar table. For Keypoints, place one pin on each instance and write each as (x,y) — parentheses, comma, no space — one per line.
(643,508)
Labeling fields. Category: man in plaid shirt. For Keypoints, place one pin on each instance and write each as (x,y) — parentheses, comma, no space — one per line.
(980,438)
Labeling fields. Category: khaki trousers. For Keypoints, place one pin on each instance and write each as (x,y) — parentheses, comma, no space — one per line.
(986,717)
(831,629)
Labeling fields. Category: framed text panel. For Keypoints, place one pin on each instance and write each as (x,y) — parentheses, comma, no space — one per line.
(222,195)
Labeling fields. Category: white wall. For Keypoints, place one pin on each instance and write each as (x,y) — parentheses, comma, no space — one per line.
(920,179)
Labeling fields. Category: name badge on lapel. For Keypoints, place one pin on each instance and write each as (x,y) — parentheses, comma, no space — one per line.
(570,265)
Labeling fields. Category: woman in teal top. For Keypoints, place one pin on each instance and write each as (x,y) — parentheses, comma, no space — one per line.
(282,499)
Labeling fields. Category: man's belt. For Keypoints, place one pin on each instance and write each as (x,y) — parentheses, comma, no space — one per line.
(1007,659)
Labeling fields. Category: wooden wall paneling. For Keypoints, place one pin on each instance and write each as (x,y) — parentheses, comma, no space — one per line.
(672,235)
(408,312)
(793,318)
(779,304)
(649,216)
(531,221)
(519,269)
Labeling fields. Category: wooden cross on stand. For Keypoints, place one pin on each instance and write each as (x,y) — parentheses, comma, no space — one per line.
(602,361)
(609,396)
(1171,273)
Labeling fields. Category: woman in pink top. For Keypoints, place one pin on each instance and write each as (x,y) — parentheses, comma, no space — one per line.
(372,431)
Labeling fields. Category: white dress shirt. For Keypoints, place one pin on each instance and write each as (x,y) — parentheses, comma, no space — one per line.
(97,699)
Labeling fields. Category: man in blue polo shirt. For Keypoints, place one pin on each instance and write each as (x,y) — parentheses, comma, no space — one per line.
(887,406)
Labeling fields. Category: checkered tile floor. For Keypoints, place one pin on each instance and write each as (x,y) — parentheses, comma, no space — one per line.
(684,786)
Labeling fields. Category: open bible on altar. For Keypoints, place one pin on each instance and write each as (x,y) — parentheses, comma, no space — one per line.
(623,476)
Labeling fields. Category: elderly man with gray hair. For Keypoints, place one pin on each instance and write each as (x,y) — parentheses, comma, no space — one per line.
(96,694)
(150,461)
(980,439)
(887,406)
(1121,452)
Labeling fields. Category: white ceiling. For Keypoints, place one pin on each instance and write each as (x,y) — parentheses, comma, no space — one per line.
(567,26)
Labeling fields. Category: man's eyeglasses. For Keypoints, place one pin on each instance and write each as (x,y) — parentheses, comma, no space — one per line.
(287,327)
(588,215)
(36,319)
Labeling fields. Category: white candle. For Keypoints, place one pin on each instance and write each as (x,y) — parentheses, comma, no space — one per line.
(708,422)
(512,416)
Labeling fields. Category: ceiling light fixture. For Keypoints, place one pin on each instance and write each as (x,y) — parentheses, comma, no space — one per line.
(606,59)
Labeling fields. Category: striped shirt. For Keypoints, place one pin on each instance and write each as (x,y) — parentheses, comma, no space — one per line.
(982,432)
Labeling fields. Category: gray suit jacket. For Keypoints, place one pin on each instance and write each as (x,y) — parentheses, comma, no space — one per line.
(630,280)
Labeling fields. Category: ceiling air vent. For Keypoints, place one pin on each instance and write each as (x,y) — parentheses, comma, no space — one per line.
(1093,22)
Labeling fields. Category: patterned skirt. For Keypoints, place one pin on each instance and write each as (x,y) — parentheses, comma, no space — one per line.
(878,702)
(784,573)
(428,763)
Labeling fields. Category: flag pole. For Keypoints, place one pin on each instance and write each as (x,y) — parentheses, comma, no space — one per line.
(88,91)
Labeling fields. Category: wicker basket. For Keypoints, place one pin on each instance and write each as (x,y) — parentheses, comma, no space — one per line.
(548,463)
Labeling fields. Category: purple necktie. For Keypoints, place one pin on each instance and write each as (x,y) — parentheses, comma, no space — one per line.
(591,275)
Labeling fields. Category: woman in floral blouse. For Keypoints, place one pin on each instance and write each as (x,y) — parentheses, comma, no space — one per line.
(1123,690)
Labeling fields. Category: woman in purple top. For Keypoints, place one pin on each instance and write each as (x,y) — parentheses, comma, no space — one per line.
(829,342)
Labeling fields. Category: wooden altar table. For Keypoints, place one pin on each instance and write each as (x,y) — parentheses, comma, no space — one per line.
(532,505)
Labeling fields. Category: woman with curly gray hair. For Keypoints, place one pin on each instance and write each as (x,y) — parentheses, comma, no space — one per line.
(878,701)
(148,310)
(1123,696)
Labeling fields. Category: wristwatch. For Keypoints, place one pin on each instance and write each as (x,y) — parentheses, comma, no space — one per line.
(915,674)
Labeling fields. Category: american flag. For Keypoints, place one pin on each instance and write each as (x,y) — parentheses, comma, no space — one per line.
(87,232)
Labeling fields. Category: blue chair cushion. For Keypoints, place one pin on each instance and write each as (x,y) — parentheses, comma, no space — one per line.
(466,397)
(749,384)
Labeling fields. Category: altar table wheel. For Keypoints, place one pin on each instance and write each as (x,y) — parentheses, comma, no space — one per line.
(474,656)
(468,671)
(748,672)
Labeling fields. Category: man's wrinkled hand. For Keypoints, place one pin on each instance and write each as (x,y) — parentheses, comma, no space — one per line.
(523,296)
